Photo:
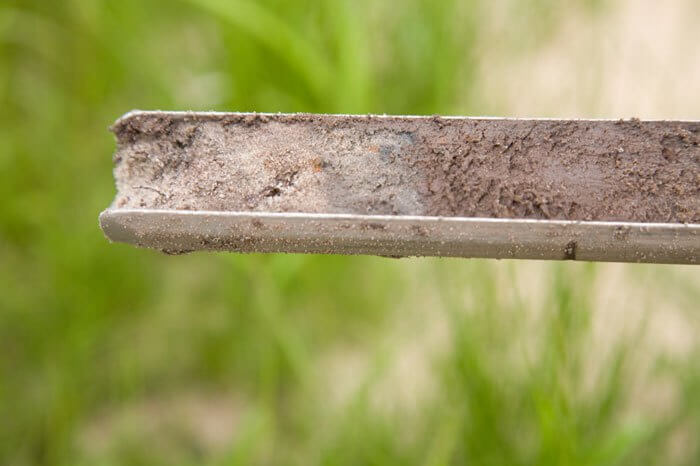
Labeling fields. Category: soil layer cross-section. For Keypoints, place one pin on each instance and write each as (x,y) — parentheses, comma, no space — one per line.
(589,170)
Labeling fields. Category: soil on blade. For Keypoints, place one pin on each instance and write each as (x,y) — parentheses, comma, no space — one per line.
(638,171)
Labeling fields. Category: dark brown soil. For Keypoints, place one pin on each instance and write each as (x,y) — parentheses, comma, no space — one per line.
(641,171)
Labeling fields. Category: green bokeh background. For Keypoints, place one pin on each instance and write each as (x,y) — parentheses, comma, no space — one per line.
(114,355)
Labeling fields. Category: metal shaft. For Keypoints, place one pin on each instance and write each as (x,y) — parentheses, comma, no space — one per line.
(403,186)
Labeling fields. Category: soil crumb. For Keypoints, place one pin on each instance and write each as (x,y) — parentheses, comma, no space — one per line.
(626,170)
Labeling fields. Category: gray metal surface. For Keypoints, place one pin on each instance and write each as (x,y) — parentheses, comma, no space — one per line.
(177,231)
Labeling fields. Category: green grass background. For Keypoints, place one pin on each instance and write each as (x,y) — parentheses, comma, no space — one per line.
(291,359)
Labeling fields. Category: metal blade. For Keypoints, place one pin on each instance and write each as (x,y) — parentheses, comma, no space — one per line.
(595,190)
(398,236)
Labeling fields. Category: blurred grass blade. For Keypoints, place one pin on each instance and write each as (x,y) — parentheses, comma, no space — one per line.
(353,75)
(278,36)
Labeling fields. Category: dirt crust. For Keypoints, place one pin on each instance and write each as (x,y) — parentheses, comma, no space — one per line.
(639,171)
